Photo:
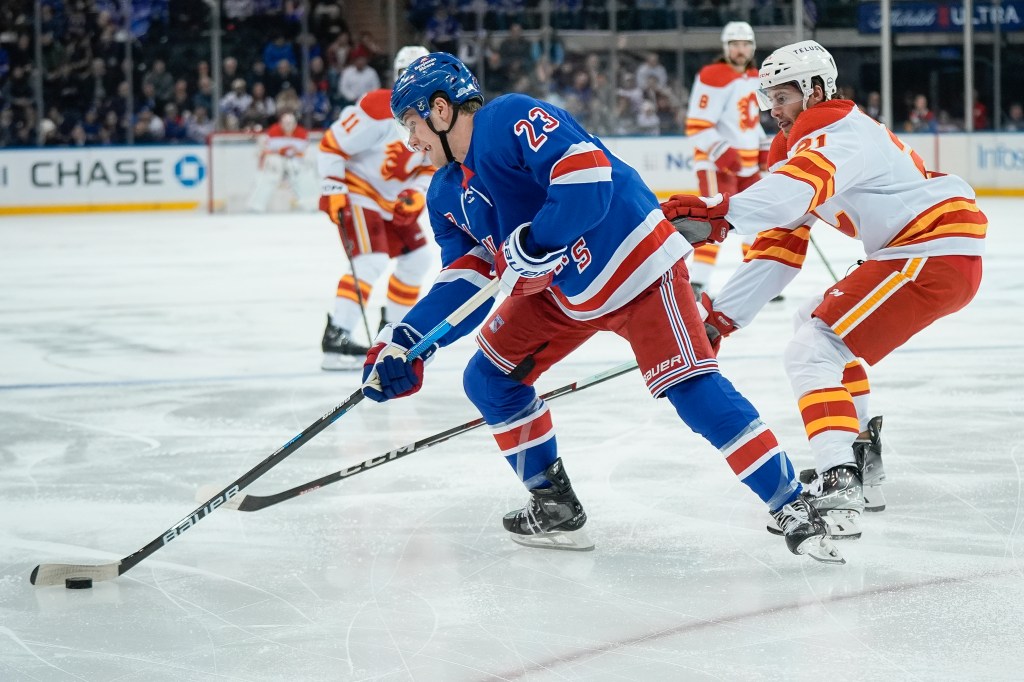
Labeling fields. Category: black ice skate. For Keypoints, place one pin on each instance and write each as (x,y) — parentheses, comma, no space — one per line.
(553,518)
(806,532)
(340,351)
(838,495)
(868,451)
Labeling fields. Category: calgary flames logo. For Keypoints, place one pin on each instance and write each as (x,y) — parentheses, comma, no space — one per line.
(396,162)
(750,112)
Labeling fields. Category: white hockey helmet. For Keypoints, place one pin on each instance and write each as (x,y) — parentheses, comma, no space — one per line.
(406,56)
(737,30)
(797,63)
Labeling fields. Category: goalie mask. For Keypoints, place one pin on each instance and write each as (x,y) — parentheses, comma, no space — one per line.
(798,63)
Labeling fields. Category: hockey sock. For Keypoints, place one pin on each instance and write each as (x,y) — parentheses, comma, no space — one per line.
(520,421)
(830,420)
(855,380)
(713,408)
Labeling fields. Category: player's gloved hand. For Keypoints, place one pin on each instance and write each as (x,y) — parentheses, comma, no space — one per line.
(725,158)
(334,202)
(717,325)
(523,272)
(387,371)
(700,219)
(408,207)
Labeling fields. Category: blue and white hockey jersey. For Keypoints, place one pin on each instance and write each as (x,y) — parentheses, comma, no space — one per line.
(535,163)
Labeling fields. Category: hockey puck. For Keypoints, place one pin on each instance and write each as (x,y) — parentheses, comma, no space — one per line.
(78,583)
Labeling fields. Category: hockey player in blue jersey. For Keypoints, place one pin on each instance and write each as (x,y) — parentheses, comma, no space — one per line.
(580,245)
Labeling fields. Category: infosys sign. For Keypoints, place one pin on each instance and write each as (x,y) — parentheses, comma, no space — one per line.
(940,17)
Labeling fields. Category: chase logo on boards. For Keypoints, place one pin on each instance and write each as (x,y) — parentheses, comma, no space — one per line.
(190,170)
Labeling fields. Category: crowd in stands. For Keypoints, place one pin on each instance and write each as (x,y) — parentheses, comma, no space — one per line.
(147,78)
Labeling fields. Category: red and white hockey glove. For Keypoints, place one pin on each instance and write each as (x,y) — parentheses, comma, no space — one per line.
(700,219)
(523,273)
(717,325)
(334,202)
(408,207)
(726,158)
(387,371)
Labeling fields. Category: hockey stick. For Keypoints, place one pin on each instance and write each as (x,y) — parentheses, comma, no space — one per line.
(250,503)
(352,265)
(824,260)
(55,574)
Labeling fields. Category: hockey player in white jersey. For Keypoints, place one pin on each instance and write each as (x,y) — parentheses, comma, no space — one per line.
(283,159)
(372,188)
(723,121)
(923,235)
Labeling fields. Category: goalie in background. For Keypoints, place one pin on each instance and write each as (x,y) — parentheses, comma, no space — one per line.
(282,159)
(372,187)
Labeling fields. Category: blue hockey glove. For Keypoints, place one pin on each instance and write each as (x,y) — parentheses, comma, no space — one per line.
(387,373)
(521,272)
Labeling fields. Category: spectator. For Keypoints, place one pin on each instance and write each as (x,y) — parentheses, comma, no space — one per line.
(199,126)
(161,82)
(945,123)
(203,97)
(229,71)
(980,116)
(442,31)
(337,51)
(174,124)
(236,102)
(357,78)
(262,110)
(276,50)
(515,47)
(1014,122)
(316,106)
(921,118)
(873,107)
(652,68)
(283,76)
(149,128)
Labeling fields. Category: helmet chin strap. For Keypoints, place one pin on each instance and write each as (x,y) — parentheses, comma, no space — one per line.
(443,135)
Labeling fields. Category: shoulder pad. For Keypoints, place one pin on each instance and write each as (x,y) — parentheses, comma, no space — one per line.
(377,104)
(819,116)
(718,75)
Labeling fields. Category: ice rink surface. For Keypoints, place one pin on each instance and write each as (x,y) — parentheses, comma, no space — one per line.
(143,356)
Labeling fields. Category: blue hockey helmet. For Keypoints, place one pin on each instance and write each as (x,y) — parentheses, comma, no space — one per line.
(430,74)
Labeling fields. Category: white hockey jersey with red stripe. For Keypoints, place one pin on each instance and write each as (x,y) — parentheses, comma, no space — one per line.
(362,153)
(841,167)
(277,142)
(724,112)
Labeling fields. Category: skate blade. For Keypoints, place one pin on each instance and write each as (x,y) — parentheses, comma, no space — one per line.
(335,362)
(874,498)
(821,549)
(573,540)
(843,524)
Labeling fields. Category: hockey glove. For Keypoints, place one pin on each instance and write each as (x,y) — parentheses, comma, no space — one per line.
(387,372)
(725,157)
(334,202)
(408,207)
(700,219)
(523,273)
(717,325)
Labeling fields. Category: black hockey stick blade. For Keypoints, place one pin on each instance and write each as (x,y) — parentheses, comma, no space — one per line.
(250,503)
